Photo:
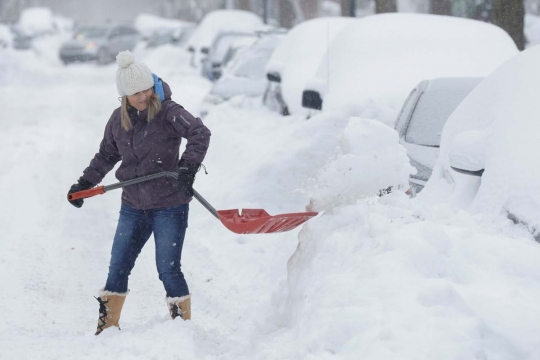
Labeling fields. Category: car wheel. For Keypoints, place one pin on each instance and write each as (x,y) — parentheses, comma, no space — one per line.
(103,56)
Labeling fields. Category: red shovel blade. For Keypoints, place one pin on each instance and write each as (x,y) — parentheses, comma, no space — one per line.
(258,221)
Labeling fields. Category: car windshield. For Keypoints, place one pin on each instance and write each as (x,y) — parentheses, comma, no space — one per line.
(433,109)
(220,51)
(253,64)
(90,32)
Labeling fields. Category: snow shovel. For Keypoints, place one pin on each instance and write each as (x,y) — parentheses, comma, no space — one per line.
(250,221)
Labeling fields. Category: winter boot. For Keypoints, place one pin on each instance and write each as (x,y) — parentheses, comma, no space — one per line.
(180,306)
(110,307)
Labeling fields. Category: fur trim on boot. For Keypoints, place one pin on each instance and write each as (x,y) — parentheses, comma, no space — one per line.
(110,308)
(180,306)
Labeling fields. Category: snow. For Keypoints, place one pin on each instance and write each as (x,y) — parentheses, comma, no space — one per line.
(381,58)
(532,29)
(496,126)
(298,55)
(36,21)
(146,24)
(371,277)
(6,37)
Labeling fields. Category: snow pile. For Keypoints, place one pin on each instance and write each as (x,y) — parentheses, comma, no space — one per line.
(299,54)
(503,110)
(383,57)
(369,159)
(6,37)
(384,280)
(146,24)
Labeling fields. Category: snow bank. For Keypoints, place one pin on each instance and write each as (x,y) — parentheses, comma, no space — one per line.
(382,57)
(369,160)
(504,108)
(299,54)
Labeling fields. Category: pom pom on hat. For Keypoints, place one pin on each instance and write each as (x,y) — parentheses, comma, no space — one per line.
(132,77)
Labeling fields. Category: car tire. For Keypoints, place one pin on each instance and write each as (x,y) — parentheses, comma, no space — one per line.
(103,56)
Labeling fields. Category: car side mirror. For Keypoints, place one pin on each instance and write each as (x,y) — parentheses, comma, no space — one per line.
(191,49)
(273,77)
(467,153)
(205,50)
(311,99)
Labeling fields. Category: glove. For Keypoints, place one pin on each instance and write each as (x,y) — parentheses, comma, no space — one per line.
(81,185)
(186,177)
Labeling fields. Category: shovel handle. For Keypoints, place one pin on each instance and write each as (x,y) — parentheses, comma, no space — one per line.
(86,193)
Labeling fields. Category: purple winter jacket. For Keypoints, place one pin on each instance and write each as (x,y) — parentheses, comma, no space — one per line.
(148,148)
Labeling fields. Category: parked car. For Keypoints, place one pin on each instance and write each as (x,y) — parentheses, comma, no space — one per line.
(219,53)
(214,23)
(422,118)
(246,73)
(490,147)
(99,42)
(380,58)
(296,60)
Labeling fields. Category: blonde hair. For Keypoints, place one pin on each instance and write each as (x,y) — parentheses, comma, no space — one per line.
(154,107)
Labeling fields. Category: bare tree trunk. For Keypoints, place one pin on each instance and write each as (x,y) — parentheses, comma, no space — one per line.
(287,15)
(348,8)
(510,15)
(384,6)
(440,7)
(243,5)
(310,9)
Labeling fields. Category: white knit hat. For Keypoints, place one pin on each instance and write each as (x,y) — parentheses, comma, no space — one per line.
(131,77)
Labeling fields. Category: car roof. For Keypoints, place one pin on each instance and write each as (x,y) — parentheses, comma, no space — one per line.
(382,57)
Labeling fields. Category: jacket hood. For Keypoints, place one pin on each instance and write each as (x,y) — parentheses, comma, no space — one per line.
(161,88)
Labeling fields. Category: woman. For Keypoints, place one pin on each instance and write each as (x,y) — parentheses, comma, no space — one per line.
(145,133)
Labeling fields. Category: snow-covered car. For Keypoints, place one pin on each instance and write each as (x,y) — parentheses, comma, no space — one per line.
(220,51)
(490,146)
(422,118)
(160,37)
(147,25)
(99,42)
(246,73)
(214,23)
(296,60)
(380,58)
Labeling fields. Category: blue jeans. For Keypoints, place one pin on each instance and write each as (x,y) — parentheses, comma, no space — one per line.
(133,231)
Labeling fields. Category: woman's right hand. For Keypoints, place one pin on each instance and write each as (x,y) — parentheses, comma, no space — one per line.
(81,185)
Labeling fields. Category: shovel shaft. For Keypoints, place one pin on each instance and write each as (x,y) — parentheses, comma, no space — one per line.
(103,189)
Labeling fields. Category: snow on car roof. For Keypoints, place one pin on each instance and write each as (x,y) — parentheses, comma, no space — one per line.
(298,55)
(36,20)
(504,112)
(382,57)
(224,20)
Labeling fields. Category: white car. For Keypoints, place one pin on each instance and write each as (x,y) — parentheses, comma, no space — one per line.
(246,73)
(422,118)
(490,147)
(296,60)
(380,58)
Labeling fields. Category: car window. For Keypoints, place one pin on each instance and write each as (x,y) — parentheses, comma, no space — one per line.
(220,51)
(430,114)
(253,64)
(406,110)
